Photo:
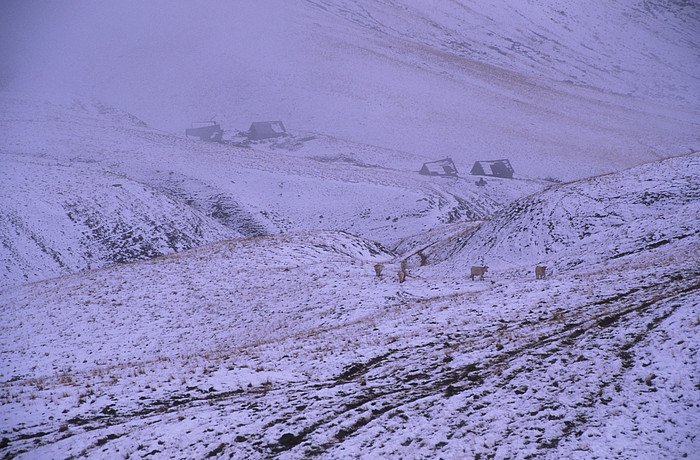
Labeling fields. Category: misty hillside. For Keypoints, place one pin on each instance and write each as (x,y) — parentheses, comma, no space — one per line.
(310,295)
(561,89)
(115,190)
(290,346)
(62,218)
(615,47)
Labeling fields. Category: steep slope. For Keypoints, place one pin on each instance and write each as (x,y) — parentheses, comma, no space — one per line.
(290,346)
(111,173)
(285,343)
(586,222)
(631,47)
(61,217)
(544,83)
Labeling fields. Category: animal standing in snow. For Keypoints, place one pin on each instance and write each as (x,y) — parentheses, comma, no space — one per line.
(404,266)
(478,271)
(402,276)
(378,269)
(540,272)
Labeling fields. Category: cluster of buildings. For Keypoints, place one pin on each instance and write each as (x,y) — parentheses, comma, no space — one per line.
(212,132)
(447,168)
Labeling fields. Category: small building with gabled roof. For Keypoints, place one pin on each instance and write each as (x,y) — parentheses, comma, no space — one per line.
(210,131)
(493,168)
(266,129)
(444,167)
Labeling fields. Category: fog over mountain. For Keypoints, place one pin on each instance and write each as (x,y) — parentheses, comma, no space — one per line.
(545,83)
(310,294)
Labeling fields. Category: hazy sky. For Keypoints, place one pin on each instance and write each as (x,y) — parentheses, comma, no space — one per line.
(72,44)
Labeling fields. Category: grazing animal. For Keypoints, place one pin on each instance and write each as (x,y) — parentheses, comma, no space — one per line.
(378,269)
(402,276)
(478,271)
(540,272)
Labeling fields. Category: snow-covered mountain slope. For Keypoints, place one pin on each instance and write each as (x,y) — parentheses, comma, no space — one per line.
(290,346)
(115,190)
(274,337)
(630,46)
(587,221)
(558,87)
(61,217)
(370,92)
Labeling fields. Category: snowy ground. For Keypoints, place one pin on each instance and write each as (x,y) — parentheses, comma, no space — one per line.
(165,297)
(290,345)
(115,190)
(561,89)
